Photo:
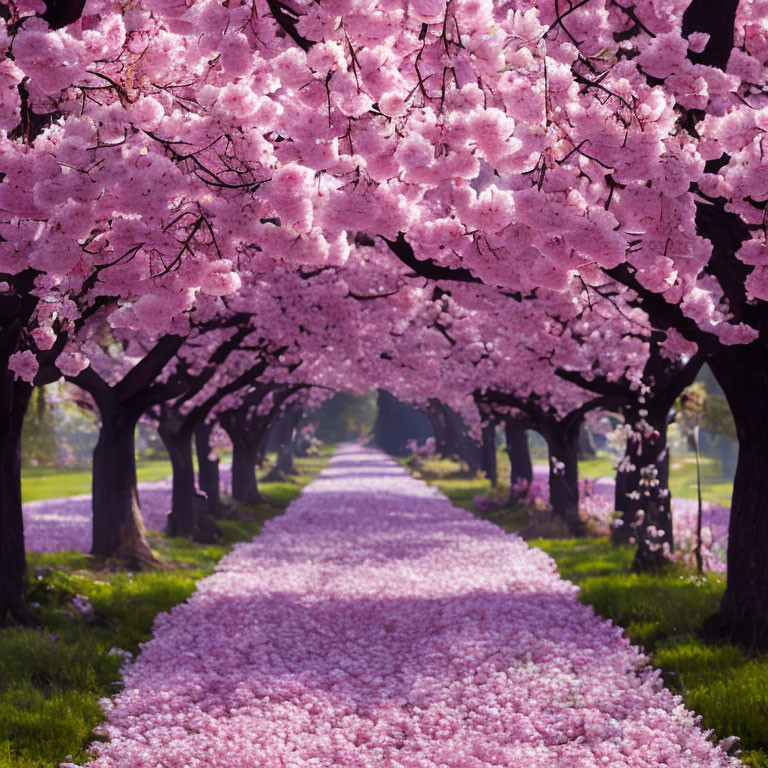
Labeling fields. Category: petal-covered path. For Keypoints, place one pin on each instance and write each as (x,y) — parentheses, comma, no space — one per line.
(374,624)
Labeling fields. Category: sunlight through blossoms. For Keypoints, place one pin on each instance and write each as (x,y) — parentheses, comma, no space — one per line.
(376,625)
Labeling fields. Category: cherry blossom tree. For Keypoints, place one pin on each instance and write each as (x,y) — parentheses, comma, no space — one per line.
(247,424)
(213,370)
(601,138)
(92,220)
(153,152)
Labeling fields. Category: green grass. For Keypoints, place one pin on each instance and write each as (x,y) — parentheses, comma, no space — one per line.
(663,613)
(51,483)
(682,480)
(597,467)
(682,477)
(52,677)
(44,483)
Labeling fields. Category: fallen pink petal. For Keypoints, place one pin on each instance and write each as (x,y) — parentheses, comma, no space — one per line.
(375,624)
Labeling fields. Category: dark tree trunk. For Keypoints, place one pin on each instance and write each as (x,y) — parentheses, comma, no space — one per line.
(13,562)
(451,437)
(642,488)
(261,427)
(434,411)
(563,444)
(118,528)
(621,502)
(248,430)
(490,465)
(207,468)
(183,519)
(470,452)
(520,465)
(642,484)
(462,445)
(245,488)
(742,372)
(282,434)
(285,465)
(16,308)
(655,540)
(397,423)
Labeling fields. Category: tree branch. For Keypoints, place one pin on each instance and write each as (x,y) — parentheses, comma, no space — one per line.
(425,268)
(141,376)
(288,24)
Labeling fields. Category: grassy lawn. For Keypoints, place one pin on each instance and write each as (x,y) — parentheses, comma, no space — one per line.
(663,613)
(52,677)
(682,480)
(46,483)
(51,483)
(682,477)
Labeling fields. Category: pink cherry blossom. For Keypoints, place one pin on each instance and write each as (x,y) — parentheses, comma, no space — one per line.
(24,365)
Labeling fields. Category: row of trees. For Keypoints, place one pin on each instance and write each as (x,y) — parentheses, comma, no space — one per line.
(522,214)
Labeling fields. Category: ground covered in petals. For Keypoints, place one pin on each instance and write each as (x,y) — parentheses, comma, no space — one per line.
(55,525)
(374,624)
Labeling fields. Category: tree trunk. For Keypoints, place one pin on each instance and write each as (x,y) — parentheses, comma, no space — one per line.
(461,444)
(642,489)
(207,468)
(118,528)
(434,412)
(285,463)
(451,437)
(260,426)
(490,464)
(621,532)
(13,562)
(245,487)
(743,613)
(521,467)
(563,444)
(283,434)
(655,540)
(183,519)
(397,423)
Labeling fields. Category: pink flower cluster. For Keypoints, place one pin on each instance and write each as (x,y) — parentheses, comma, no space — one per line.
(714,532)
(373,624)
(424,450)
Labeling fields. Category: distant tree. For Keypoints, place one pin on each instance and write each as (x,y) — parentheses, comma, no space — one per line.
(718,419)
(38,439)
(344,417)
(397,423)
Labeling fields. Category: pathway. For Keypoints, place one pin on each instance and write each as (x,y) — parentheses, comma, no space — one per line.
(373,624)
